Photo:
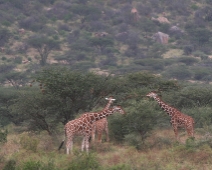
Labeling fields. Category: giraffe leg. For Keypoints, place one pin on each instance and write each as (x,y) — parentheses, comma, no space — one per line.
(99,137)
(87,143)
(69,144)
(83,144)
(176,133)
(190,131)
(93,134)
(107,133)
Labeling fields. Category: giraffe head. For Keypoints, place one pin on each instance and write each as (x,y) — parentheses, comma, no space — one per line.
(118,109)
(110,98)
(152,94)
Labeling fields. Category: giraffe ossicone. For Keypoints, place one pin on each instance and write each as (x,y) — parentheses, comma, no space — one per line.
(83,126)
(110,99)
(178,119)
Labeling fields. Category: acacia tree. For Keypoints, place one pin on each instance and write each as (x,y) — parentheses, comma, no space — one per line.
(44,45)
(4,36)
(7,95)
(16,79)
(75,91)
(101,43)
(64,94)
(35,111)
(11,77)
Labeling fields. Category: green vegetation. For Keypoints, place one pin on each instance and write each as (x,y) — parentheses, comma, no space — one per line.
(34,118)
(61,58)
(105,35)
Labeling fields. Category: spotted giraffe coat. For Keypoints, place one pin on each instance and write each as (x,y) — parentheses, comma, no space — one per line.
(178,119)
(83,126)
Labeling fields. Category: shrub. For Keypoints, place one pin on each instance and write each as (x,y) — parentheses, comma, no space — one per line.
(84,162)
(201,73)
(141,119)
(188,49)
(83,65)
(156,64)
(3,58)
(6,23)
(5,35)
(32,165)
(3,136)
(134,140)
(200,54)
(18,60)
(116,125)
(188,60)
(119,167)
(29,142)
(36,165)
(10,165)
(29,59)
(178,72)
(33,23)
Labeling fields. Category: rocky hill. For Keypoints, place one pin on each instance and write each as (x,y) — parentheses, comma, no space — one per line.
(166,37)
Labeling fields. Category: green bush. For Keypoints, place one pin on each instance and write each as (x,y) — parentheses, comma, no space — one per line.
(201,73)
(119,167)
(116,126)
(188,60)
(6,23)
(161,142)
(31,165)
(180,72)
(3,136)
(141,118)
(29,143)
(156,64)
(18,60)
(84,162)
(4,58)
(134,140)
(35,165)
(10,165)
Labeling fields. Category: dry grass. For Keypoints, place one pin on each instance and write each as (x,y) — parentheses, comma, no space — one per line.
(161,152)
(173,53)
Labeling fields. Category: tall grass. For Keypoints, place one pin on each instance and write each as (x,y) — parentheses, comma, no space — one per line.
(160,151)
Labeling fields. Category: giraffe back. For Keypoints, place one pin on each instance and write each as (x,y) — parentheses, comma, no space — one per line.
(80,125)
(184,120)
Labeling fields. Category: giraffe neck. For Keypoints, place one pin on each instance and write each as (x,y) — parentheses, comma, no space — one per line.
(108,105)
(168,109)
(102,114)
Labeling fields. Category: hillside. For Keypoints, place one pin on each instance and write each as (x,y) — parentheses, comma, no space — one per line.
(171,38)
(49,50)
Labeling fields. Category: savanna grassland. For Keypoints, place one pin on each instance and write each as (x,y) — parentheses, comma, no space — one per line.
(33,120)
(159,151)
(61,58)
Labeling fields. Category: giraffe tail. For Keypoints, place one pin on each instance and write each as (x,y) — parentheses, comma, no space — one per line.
(61,145)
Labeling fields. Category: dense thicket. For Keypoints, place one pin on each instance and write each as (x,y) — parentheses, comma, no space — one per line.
(58,95)
(105,37)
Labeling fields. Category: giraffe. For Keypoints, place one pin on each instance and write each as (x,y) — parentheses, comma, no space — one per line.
(102,124)
(178,119)
(83,126)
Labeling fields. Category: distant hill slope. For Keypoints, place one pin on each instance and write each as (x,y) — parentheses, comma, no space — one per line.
(108,35)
